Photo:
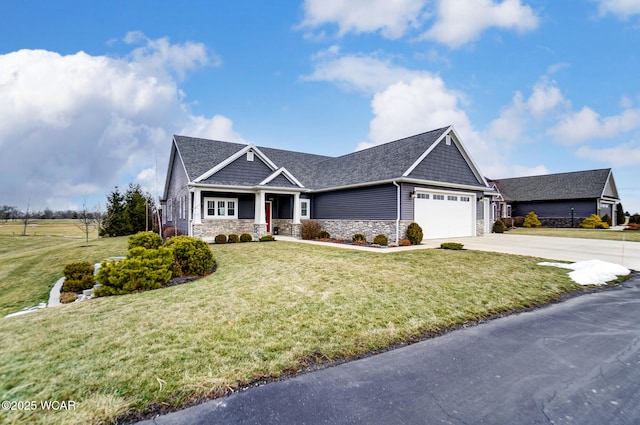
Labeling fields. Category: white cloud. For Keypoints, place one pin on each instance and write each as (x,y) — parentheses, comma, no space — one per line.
(587,124)
(366,73)
(626,154)
(621,8)
(217,128)
(462,21)
(76,125)
(521,114)
(391,18)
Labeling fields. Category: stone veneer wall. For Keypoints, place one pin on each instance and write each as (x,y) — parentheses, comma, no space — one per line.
(480,227)
(560,222)
(208,230)
(345,229)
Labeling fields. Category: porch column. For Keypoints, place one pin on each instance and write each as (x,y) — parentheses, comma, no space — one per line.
(260,217)
(197,216)
(487,215)
(296,208)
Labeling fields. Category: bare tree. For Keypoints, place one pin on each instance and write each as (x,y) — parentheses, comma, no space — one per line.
(25,219)
(87,221)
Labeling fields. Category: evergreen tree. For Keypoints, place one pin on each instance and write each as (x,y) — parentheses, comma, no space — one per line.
(620,217)
(115,222)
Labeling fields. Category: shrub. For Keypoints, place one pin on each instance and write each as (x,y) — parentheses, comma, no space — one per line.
(192,256)
(310,229)
(593,222)
(147,240)
(68,297)
(78,277)
(221,239)
(404,242)
(267,238)
(620,217)
(531,220)
(323,234)
(233,238)
(381,240)
(451,245)
(170,232)
(635,219)
(414,234)
(358,237)
(245,237)
(499,227)
(142,270)
(606,219)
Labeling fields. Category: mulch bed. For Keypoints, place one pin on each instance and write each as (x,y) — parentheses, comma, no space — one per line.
(185,279)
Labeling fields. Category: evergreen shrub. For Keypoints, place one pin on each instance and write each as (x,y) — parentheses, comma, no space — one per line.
(606,219)
(220,239)
(414,234)
(531,220)
(323,234)
(245,237)
(78,277)
(381,240)
(147,240)
(451,245)
(233,238)
(192,256)
(593,222)
(267,238)
(499,227)
(142,270)
(358,237)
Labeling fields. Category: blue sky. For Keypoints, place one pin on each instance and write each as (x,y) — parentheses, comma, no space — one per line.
(93,91)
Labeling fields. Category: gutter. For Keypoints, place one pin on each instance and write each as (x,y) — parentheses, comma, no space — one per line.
(397,212)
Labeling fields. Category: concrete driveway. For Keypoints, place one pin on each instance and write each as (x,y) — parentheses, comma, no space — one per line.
(553,248)
(576,362)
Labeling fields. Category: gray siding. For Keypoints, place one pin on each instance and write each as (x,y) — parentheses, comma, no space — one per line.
(445,164)
(610,189)
(555,209)
(241,172)
(177,191)
(281,181)
(367,203)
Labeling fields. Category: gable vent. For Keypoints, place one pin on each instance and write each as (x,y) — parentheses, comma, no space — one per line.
(250,156)
(447,140)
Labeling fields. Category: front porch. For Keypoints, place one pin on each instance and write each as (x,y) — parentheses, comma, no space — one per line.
(256,212)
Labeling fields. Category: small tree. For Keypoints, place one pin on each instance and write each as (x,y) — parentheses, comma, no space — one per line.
(620,217)
(499,227)
(531,220)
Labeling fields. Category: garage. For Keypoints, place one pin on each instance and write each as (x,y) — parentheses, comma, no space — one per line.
(444,214)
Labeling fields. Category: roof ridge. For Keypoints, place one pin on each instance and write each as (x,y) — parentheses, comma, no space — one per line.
(552,174)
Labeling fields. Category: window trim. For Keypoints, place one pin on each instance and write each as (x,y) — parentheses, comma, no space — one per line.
(216,206)
(308,215)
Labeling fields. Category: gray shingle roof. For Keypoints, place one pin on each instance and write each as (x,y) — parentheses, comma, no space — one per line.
(379,163)
(574,185)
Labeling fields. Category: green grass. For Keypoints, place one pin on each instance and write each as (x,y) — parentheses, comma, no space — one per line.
(46,227)
(270,309)
(628,235)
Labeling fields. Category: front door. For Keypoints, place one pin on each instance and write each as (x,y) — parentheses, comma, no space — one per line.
(267,215)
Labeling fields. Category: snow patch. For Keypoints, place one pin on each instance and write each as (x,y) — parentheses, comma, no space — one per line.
(592,272)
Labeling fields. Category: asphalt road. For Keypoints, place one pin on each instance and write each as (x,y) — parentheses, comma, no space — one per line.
(576,362)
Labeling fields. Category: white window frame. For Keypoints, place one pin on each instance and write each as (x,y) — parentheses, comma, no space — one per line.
(221,204)
(308,204)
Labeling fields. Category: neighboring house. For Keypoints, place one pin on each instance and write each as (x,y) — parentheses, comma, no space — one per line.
(559,200)
(214,187)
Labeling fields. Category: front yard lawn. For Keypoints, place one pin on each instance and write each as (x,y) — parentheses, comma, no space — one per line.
(270,310)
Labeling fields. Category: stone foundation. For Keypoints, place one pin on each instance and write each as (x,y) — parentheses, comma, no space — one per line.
(285,227)
(560,222)
(345,229)
(208,230)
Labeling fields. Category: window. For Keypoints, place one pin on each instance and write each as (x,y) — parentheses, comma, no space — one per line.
(220,208)
(452,198)
(465,199)
(304,208)
(438,197)
(423,196)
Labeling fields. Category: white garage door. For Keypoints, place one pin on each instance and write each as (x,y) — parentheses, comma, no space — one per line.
(445,214)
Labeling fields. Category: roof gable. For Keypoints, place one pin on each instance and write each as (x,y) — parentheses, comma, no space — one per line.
(589,184)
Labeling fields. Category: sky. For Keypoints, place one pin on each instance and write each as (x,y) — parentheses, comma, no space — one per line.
(92,92)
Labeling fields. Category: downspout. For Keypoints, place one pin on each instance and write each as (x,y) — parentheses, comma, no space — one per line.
(397,212)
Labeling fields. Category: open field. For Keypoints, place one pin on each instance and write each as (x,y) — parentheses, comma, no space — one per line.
(269,310)
(42,227)
(613,235)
